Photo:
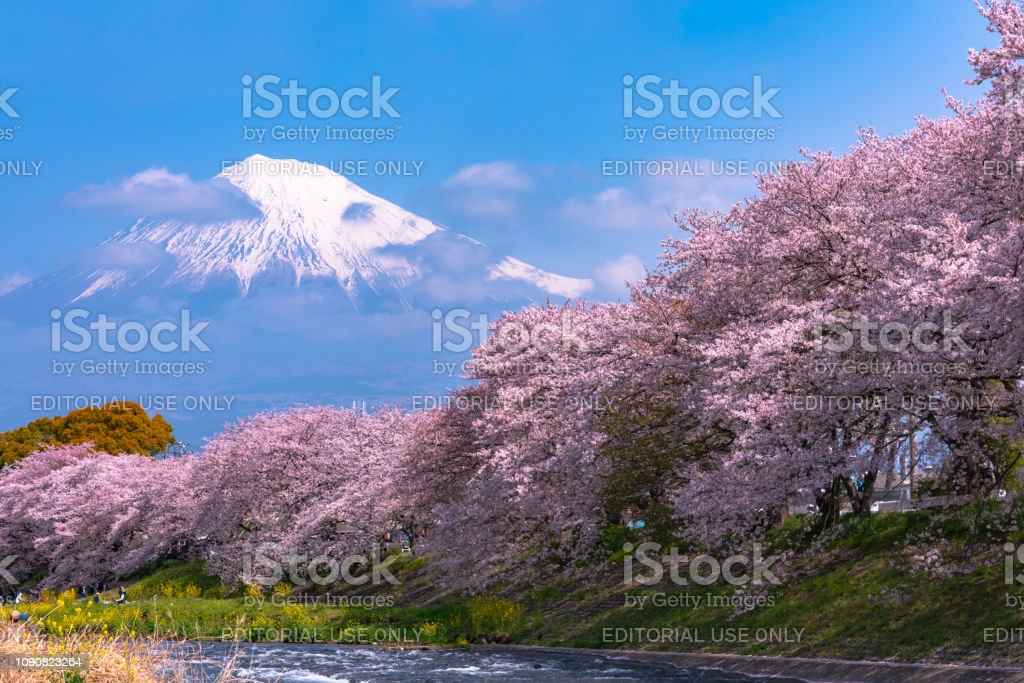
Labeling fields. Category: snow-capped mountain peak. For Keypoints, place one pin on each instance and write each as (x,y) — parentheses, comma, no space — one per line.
(307,222)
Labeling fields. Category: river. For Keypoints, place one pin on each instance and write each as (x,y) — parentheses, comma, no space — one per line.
(286,663)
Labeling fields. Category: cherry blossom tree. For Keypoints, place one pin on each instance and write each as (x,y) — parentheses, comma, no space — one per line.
(808,302)
(82,516)
(863,306)
(515,465)
(24,488)
(307,480)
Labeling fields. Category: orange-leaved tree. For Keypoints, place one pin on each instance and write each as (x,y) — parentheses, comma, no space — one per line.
(117,427)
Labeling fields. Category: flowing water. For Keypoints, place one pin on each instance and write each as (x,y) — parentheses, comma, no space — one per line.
(285,663)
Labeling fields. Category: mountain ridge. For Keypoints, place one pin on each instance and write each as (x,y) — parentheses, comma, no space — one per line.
(311,223)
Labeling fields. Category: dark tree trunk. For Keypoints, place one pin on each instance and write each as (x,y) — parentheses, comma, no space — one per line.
(828,503)
(860,499)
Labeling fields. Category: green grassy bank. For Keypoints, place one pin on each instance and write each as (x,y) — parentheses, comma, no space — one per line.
(917,587)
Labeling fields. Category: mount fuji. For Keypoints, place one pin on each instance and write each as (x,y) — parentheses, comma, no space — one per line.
(310,290)
(305,223)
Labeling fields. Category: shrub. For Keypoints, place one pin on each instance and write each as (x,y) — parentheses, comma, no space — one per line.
(490,619)
(173,589)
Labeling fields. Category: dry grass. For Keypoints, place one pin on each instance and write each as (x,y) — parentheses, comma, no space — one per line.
(111,659)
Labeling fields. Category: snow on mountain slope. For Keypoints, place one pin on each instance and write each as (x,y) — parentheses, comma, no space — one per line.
(510,268)
(310,223)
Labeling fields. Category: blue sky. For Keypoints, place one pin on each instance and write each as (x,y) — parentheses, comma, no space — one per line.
(106,91)
(510,114)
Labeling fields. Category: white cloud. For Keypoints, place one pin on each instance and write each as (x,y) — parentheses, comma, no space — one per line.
(619,209)
(494,175)
(613,275)
(156,192)
(9,283)
(488,190)
(652,202)
(482,206)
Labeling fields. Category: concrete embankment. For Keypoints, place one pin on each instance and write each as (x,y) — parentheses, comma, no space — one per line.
(811,670)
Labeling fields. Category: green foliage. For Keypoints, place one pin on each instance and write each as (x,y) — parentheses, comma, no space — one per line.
(646,443)
(489,619)
(547,593)
(795,533)
(860,591)
(614,536)
(175,579)
(926,488)
(864,590)
(878,531)
(1006,456)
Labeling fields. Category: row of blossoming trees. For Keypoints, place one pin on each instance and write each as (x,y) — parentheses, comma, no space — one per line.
(863,307)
